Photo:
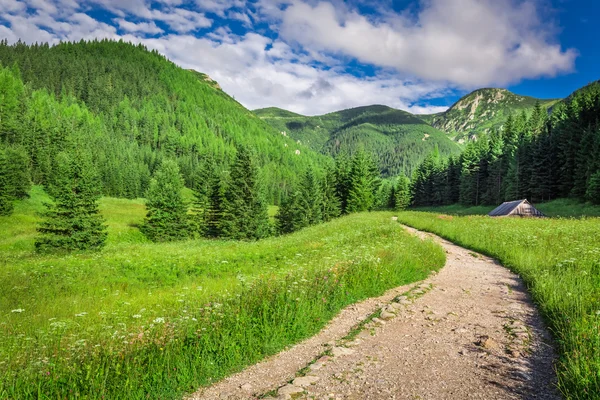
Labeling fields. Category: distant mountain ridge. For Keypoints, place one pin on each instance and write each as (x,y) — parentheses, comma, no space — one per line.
(481,111)
(398,138)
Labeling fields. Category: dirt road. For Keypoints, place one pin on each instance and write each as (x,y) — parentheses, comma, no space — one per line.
(468,332)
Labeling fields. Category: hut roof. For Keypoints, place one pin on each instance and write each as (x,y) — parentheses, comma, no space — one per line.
(517,207)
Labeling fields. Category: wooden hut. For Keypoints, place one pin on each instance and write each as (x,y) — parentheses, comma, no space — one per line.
(517,208)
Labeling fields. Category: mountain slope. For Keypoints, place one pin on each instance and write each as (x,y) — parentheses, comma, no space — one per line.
(134,108)
(482,111)
(400,139)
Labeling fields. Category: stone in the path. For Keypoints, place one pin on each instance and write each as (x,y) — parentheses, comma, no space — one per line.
(341,351)
(487,343)
(385,315)
(246,387)
(289,390)
(305,381)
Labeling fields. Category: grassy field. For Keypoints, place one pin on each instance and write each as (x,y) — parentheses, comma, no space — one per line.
(144,320)
(559,259)
(566,208)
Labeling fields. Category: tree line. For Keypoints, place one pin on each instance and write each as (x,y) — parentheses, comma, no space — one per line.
(228,204)
(539,157)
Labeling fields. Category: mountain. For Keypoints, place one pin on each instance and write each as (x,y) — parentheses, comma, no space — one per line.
(482,111)
(400,139)
(129,108)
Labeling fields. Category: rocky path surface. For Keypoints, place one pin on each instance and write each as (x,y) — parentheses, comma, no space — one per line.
(468,332)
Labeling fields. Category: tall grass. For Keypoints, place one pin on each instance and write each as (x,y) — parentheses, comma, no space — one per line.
(559,259)
(143,320)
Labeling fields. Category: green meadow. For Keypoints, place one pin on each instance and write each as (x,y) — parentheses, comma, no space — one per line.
(145,320)
(559,259)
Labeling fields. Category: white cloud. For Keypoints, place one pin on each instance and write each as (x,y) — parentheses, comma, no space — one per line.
(466,42)
(142,27)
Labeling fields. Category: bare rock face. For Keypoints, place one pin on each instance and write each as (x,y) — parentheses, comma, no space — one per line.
(290,390)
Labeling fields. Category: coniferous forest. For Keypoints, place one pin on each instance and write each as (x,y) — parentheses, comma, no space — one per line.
(539,156)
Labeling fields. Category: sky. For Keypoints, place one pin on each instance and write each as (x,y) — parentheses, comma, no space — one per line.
(319,56)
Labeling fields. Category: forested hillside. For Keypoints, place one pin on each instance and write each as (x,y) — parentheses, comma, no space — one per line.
(482,111)
(539,157)
(399,139)
(129,108)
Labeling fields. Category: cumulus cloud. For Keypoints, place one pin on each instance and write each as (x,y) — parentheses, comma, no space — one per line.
(305,53)
(466,42)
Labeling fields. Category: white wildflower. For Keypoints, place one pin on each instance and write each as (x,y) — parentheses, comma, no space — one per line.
(159,320)
(136,316)
(18,310)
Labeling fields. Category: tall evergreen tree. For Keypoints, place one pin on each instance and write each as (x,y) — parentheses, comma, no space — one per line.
(311,198)
(331,202)
(6,190)
(166,218)
(245,214)
(403,193)
(342,178)
(364,182)
(290,216)
(73,221)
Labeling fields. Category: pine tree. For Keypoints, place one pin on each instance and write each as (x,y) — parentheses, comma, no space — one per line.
(342,178)
(403,193)
(215,204)
(166,218)
(6,190)
(331,202)
(364,182)
(245,214)
(311,198)
(202,191)
(593,191)
(290,216)
(73,222)
(18,171)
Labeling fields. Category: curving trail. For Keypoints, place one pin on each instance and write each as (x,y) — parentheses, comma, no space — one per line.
(468,332)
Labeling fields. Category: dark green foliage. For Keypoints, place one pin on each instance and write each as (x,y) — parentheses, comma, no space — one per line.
(6,198)
(593,191)
(342,180)
(245,214)
(167,217)
(331,202)
(402,193)
(364,183)
(311,198)
(18,171)
(535,157)
(290,216)
(73,222)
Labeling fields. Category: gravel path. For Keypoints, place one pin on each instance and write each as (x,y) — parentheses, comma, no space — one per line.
(468,332)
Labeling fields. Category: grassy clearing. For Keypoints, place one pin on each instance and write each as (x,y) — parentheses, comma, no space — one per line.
(559,259)
(144,320)
(566,208)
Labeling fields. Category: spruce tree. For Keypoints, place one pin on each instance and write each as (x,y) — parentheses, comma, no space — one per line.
(18,171)
(331,202)
(73,221)
(342,180)
(6,190)
(364,182)
(215,204)
(166,217)
(245,215)
(593,190)
(311,198)
(290,216)
(403,193)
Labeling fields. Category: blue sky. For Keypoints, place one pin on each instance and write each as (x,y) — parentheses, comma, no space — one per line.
(318,56)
